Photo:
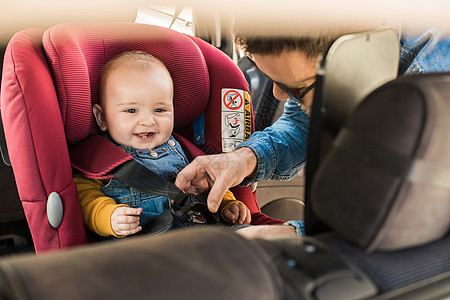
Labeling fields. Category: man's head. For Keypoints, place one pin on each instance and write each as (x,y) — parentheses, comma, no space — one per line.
(135,100)
(290,61)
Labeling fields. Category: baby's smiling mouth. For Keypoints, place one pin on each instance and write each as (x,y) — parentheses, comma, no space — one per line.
(145,135)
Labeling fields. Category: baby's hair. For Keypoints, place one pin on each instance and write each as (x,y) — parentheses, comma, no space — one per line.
(137,59)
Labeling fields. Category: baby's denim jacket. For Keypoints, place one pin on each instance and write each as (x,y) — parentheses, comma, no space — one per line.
(166,160)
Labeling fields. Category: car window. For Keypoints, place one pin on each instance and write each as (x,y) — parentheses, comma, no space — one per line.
(176,18)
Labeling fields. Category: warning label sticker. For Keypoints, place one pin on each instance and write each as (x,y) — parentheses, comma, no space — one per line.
(236,118)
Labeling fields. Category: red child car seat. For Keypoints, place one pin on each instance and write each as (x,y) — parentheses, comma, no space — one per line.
(49,84)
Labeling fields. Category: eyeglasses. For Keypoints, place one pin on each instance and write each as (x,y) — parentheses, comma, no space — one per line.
(296,94)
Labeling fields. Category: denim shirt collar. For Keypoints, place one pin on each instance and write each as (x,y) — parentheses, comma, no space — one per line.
(144,152)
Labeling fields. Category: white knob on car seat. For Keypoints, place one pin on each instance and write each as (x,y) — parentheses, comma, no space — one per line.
(54,210)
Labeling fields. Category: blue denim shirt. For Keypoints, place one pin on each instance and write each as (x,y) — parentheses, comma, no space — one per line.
(281,148)
(166,160)
(424,53)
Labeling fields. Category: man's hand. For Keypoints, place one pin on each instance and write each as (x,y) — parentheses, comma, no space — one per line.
(216,173)
(237,213)
(125,220)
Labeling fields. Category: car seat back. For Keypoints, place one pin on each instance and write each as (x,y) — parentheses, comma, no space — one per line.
(352,67)
(387,175)
(383,188)
(47,98)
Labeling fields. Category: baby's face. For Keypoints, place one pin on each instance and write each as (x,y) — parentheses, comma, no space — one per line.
(138,107)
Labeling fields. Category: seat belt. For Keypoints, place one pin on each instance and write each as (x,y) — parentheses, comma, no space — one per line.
(186,207)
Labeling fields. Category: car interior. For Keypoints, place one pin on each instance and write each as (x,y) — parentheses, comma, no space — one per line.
(370,234)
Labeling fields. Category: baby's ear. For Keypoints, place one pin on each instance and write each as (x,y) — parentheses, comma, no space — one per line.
(99,116)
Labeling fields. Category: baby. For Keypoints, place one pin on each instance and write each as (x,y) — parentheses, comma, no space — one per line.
(135,112)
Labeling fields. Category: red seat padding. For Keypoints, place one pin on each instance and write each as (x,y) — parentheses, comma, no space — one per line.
(36,142)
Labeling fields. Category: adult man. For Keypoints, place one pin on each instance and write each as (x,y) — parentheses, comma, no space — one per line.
(278,152)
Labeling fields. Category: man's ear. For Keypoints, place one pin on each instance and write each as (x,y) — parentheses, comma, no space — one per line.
(99,117)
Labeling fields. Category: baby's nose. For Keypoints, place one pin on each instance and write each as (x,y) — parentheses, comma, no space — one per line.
(147,121)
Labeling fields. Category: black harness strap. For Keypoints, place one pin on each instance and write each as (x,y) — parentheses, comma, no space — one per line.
(136,175)
(159,224)
(187,207)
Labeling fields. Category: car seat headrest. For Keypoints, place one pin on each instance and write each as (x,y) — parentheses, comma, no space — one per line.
(77,52)
(385,184)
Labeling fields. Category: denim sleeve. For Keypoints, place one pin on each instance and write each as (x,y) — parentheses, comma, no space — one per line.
(298,225)
(280,148)
(424,53)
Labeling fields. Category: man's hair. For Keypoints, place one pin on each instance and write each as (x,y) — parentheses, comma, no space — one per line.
(270,37)
(136,59)
(311,46)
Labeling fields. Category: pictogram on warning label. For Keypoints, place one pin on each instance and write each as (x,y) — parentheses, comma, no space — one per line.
(235,124)
(233,99)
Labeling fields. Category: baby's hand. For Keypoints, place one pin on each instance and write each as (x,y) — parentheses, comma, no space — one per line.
(237,213)
(125,220)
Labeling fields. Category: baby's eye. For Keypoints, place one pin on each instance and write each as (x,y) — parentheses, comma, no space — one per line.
(131,110)
(160,110)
